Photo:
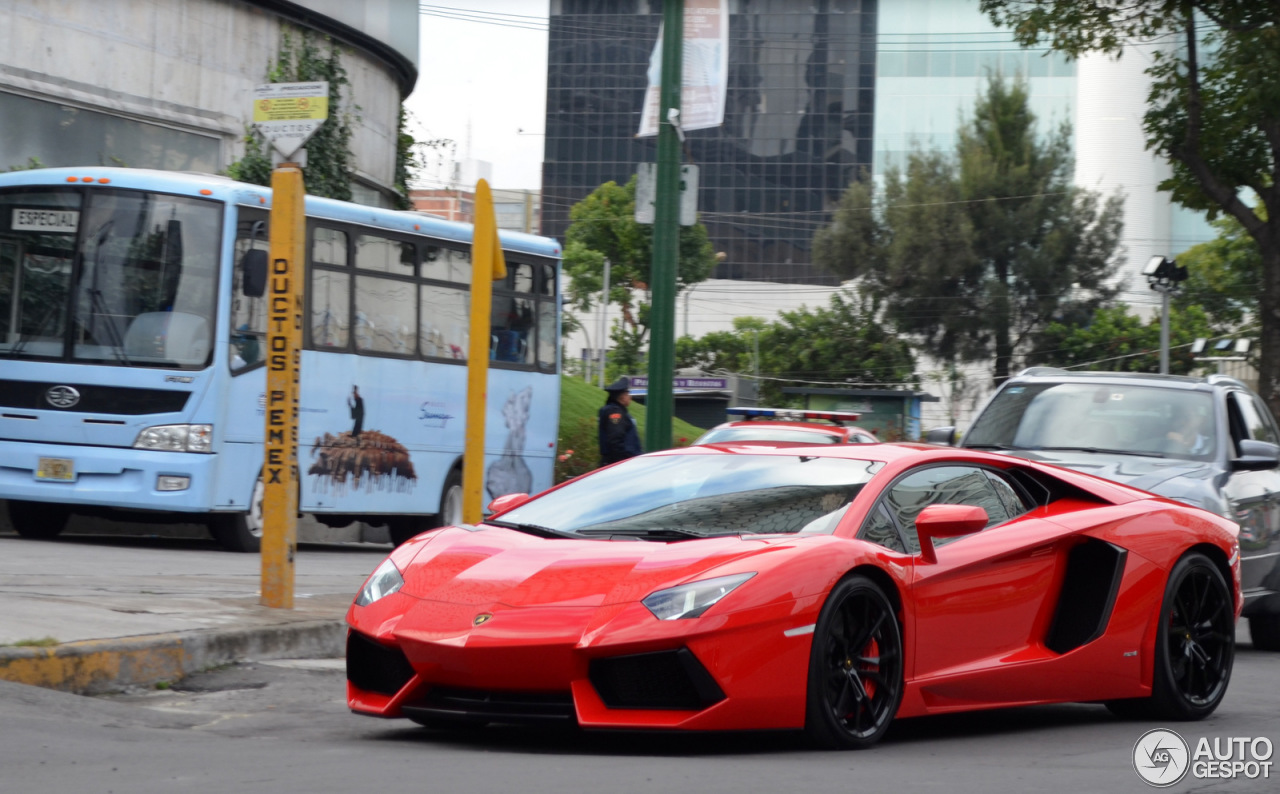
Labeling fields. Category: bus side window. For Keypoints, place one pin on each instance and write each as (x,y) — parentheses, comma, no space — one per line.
(330,296)
(248,328)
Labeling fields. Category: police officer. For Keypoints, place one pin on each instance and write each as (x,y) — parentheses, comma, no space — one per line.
(618,437)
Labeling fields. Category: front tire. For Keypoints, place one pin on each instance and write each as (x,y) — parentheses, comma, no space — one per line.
(241,532)
(1195,646)
(1265,631)
(855,667)
(38,520)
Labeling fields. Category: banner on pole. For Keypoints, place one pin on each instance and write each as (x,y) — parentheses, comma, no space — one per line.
(704,69)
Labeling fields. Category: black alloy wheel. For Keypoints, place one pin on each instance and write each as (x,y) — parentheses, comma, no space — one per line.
(855,667)
(1195,646)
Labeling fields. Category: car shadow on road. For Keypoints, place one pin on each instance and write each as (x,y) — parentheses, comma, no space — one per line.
(573,741)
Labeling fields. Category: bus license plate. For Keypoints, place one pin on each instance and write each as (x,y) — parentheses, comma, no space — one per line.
(58,469)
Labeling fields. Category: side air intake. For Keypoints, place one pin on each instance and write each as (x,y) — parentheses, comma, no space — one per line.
(1094,570)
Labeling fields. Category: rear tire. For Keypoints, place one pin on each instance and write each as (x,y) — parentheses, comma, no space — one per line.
(1265,631)
(855,667)
(403,528)
(38,520)
(241,532)
(1195,646)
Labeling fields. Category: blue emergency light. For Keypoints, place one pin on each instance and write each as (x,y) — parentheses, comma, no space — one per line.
(792,415)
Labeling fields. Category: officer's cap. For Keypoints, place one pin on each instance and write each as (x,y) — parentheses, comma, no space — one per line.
(620,385)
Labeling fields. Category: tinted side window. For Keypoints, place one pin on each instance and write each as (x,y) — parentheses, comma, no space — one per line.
(1009,497)
(942,485)
(1257,420)
(879,529)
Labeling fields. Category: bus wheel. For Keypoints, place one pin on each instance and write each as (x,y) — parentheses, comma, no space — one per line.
(240,531)
(402,528)
(37,520)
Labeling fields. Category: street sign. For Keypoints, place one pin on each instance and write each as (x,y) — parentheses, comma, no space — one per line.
(647,190)
(642,382)
(287,114)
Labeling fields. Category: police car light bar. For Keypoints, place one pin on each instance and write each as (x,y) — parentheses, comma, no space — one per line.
(791,415)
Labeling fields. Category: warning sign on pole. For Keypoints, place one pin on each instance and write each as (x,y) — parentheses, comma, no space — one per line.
(287,114)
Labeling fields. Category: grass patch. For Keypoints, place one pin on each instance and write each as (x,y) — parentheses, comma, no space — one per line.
(40,642)
(579,404)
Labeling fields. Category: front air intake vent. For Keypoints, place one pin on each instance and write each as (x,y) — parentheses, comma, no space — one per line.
(375,667)
(448,704)
(662,680)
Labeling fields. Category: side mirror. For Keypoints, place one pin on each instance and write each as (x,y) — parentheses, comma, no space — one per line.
(1256,456)
(507,502)
(253,273)
(947,521)
(941,435)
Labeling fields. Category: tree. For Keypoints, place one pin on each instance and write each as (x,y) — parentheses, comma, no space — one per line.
(1223,277)
(1113,340)
(843,344)
(603,226)
(974,252)
(1213,109)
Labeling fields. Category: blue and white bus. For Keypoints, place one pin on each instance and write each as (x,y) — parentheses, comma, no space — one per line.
(131,356)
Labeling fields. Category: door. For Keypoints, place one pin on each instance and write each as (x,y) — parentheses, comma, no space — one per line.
(988,597)
(1254,495)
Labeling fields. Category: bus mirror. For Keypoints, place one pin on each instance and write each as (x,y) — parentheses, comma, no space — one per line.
(253,273)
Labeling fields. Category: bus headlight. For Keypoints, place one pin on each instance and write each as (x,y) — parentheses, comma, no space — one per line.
(176,438)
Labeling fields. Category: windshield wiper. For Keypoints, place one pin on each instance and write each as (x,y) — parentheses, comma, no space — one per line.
(1005,447)
(1103,450)
(532,529)
(657,533)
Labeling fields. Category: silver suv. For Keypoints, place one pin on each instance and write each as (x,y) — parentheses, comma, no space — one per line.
(1210,442)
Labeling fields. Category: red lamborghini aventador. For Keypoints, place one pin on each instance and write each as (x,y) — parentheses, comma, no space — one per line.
(827,588)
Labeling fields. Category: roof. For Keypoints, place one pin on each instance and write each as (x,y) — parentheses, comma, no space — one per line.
(1093,376)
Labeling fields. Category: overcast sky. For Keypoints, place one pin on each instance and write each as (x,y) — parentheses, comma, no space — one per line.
(484,85)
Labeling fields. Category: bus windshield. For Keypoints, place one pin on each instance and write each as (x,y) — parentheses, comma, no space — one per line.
(108,276)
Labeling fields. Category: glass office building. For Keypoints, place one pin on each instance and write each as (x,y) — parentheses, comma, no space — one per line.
(798,121)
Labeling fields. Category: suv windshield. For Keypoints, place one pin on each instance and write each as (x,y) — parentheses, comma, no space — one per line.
(668,496)
(108,276)
(1109,417)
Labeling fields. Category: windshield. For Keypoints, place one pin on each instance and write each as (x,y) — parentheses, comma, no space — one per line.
(766,434)
(703,496)
(108,276)
(1112,417)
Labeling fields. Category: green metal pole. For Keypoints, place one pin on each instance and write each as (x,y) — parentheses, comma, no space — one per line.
(666,237)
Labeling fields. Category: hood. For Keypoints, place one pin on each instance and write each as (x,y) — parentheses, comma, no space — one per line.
(1179,479)
(503,566)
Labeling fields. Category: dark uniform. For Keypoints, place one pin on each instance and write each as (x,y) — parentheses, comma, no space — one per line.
(619,439)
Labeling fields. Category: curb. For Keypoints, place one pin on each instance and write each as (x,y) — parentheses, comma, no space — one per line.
(93,666)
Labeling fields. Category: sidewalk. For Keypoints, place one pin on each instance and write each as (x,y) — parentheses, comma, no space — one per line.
(96,613)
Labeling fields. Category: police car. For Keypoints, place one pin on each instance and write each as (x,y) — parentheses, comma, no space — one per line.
(787,425)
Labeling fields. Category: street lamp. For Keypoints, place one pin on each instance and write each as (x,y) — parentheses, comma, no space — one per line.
(1164,275)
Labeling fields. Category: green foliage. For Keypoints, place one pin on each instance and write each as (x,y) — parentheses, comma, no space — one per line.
(329,159)
(32,164)
(1113,340)
(1213,109)
(1224,277)
(972,252)
(409,157)
(844,342)
(579,448)
(40,642)
(603,226)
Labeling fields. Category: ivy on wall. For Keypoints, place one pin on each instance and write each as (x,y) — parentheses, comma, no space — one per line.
(329,160)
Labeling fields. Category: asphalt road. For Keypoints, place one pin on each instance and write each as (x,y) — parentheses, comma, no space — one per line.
(284,727)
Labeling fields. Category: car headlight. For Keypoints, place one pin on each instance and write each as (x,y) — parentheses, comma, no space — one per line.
(384,581)
(176,438)
(691,600)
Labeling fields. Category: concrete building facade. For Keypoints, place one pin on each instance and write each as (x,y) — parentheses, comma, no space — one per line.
(169,85)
